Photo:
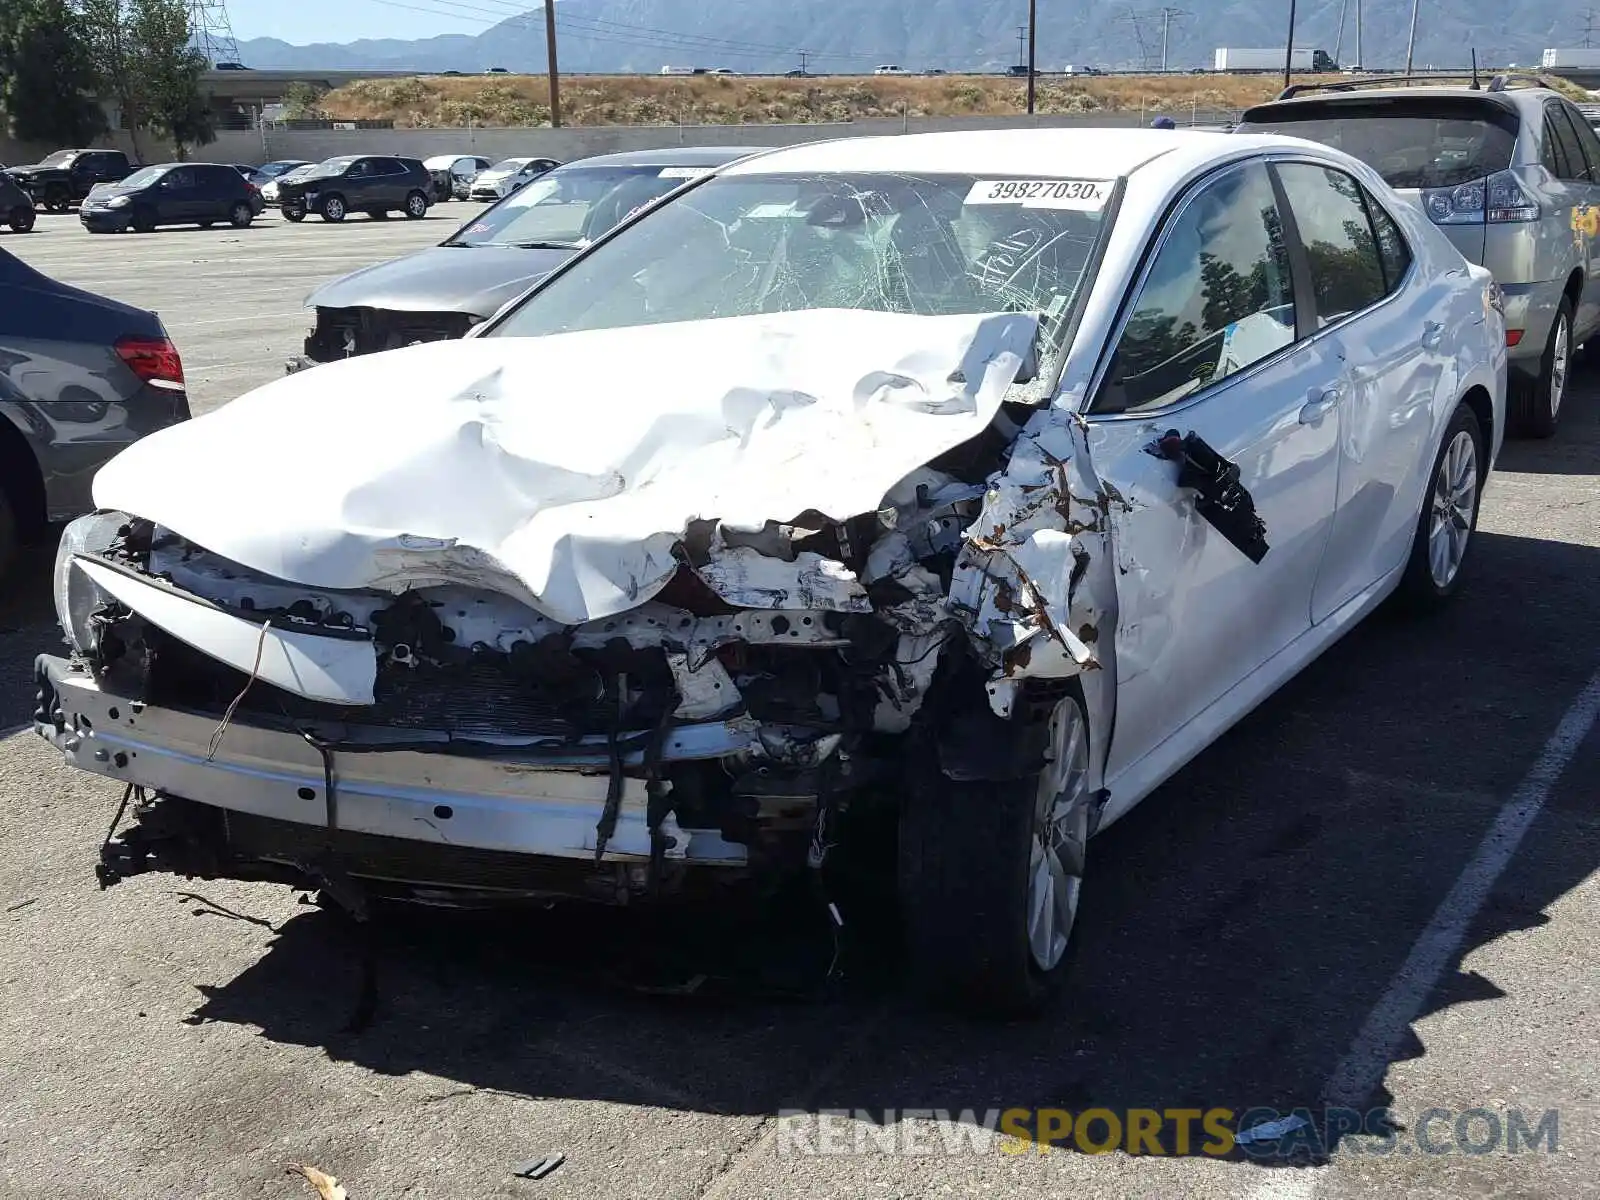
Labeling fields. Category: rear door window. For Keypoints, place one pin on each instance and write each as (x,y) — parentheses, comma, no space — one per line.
(1413,142)
(1569,158)
(387,166)
(1331,213)
(1393,251)
(1583,137)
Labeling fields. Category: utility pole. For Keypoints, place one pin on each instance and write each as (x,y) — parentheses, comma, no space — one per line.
(1359,61)
(1033,13)
(1588,27)
(1166,24)
(1022,41)
(1288,54)
(1338,40)
(804,54)
(555,73)
(1411,42)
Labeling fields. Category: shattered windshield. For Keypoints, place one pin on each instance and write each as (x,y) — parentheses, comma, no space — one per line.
(572,205)
(932,244)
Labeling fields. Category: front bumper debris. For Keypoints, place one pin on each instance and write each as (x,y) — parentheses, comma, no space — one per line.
(511,802)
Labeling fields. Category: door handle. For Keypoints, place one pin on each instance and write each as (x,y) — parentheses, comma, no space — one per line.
(1321,405)
(1432,335)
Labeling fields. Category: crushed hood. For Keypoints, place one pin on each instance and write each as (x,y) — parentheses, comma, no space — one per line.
(468,279)
(565,470)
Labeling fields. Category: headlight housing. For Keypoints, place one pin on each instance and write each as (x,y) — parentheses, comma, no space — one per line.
(119,202)
(77,597)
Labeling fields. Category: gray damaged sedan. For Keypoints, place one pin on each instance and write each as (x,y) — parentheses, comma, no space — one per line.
(444,291)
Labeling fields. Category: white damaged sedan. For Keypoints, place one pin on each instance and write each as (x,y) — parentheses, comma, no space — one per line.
(986,476)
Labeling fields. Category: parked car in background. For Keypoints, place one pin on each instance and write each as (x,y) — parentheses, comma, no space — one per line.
(245,170)
(269,190)
(67,176)
(453,174)
(444,291)
(185,193)
(16,206)
(835,485)
(81,377)
(1510,174)
(507,175)
(374,184)
(276,169)
(888,69)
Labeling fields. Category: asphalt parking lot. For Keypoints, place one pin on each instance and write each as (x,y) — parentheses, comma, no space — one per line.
(1331,906)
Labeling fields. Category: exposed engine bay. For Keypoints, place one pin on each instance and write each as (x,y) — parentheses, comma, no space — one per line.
(764,678)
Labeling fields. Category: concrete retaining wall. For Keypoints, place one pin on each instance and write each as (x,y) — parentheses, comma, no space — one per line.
(256,146)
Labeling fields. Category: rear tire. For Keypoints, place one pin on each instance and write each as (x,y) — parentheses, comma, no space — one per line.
(970,861)
(416,206)
(333,209)
(1446,507)
(1536,407)
(240,215)
(294,214)
(22,219)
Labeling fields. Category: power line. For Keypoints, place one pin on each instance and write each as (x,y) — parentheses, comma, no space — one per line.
(1167,14)
(212,32)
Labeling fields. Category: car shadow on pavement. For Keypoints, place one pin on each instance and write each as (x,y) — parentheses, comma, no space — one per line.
(1237,928)
(1575,448)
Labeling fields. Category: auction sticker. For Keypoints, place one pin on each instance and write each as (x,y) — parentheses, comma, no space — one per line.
(1080,195)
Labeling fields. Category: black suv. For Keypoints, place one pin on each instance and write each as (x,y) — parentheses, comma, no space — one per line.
(16,207)
(172,194)
(373,184)
(69,175)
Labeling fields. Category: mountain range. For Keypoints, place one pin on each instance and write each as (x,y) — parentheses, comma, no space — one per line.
(765,36)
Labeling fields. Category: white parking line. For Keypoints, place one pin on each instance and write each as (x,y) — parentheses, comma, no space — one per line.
(1367,1061)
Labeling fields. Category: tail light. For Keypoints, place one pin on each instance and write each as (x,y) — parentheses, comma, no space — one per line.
(1502,198)
(154,360)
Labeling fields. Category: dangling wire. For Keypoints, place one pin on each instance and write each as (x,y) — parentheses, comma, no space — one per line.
(227,716)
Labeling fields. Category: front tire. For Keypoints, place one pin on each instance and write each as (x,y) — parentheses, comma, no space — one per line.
(990,874)
(416,206)
(22,219)
(295,215)
(1449,516)
(142,221)
(1536,406)
(333,209)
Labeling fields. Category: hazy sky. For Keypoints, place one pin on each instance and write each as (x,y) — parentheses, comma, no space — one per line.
(304,21)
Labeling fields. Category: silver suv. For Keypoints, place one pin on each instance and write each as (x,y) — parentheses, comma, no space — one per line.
(1511,173)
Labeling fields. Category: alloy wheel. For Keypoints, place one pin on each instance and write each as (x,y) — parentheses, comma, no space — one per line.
(1455,498)
(1060,837)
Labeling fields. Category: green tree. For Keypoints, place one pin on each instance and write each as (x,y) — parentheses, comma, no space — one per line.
(148,64)
(106,29)
(170,68)
(48,84)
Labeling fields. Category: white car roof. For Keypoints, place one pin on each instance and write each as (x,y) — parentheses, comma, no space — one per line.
(1050,153)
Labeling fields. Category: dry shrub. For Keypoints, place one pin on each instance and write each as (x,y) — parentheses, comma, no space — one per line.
(451,101)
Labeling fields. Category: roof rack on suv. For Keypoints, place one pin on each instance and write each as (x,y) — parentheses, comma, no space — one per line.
(1497,83)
